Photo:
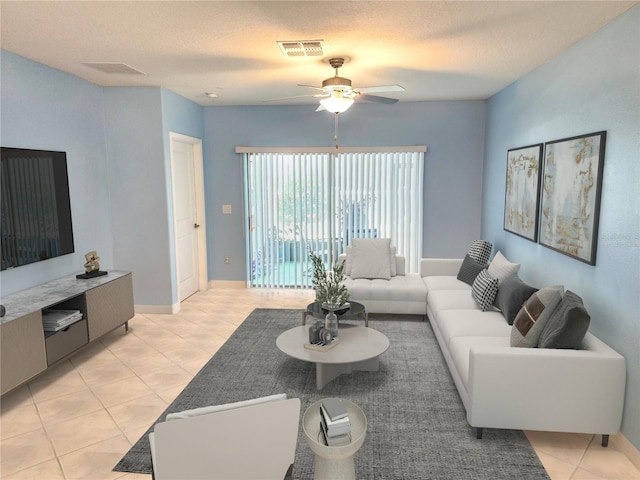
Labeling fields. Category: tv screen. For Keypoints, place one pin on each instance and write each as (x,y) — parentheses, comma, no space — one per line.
(35,207)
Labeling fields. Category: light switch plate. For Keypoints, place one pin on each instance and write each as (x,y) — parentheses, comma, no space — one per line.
(226,209)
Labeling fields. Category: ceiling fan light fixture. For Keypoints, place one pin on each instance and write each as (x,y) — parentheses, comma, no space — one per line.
(336,103)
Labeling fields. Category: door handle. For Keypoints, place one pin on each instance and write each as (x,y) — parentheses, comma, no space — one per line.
(195,225)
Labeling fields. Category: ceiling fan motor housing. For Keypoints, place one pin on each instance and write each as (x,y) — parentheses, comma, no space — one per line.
(336,83)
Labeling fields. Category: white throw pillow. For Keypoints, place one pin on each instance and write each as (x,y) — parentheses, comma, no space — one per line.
(370,258)
(502,268)
(348,261)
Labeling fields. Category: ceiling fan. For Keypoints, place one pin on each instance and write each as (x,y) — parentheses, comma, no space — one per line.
(338,94)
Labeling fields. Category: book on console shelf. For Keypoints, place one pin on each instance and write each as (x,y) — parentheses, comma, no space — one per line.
(54,320)
(335,441)
(322,346)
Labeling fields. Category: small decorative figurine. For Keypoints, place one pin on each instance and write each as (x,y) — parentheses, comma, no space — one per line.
(93,262)
(92,267)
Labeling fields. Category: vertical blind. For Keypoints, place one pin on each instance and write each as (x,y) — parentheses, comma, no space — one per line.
(296,201)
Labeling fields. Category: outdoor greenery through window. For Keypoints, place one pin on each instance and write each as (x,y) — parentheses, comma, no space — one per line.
(320,199)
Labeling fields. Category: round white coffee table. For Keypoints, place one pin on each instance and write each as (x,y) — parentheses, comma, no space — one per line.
(334,463)
(358,350)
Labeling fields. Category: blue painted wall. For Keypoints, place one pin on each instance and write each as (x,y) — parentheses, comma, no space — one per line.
(118,158)
(593,86)
(43,108)
(139,209)
(452,131)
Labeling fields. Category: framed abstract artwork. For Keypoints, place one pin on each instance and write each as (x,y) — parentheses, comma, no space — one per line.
(571,189)
(521,198)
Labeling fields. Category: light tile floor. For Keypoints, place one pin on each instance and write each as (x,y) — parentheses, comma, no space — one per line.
(79,418)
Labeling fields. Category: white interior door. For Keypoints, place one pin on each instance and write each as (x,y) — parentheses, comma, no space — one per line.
(188,221)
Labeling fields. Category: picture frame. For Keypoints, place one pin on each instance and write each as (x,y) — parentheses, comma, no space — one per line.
(571,191)
(522,191)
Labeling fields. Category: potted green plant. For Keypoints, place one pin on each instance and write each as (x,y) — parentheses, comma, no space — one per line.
(329,285)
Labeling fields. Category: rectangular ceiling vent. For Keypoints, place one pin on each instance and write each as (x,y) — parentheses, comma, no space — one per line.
(301,48)
(113,68)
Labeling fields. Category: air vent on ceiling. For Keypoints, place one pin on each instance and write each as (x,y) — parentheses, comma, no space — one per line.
(301,48)
(112,67)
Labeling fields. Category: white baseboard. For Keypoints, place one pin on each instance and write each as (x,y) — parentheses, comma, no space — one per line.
(161,309)
(227,284)
(621,443)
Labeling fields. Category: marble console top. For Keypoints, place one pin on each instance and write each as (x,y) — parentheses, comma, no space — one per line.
(43,296)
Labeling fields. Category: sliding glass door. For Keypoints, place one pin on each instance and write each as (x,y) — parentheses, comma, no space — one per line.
(296,201)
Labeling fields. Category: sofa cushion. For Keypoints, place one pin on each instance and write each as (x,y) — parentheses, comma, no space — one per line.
(469,270)
(471,323)
(405,294)
(444,282)
(532,317)
(512,293)
(480,251)
(501,268)
(484,290)
(399,288)
(451,300)
(370,258)
(567,324)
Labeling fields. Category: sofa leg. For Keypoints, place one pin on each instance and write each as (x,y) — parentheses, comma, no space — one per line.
(605,440)
(479,433)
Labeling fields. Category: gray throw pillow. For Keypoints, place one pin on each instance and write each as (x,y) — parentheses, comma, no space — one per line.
(534,314)
(567,325)
(469,270)
(512,293)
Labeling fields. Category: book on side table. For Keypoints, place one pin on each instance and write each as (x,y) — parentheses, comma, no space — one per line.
(334,423)
(334,409)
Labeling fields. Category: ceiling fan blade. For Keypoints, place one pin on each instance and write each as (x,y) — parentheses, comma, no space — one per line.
(377,99)
(381,88)
(311,86)
(288,98)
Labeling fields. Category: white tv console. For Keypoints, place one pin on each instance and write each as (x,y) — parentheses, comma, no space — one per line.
(26,350)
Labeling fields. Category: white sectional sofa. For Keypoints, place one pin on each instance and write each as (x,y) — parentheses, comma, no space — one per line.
(557,390)
(547,389)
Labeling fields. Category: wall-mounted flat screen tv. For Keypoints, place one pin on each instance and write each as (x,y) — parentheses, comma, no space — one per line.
(35,207)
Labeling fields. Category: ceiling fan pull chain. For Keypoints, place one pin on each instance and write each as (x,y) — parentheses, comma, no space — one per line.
(335,129)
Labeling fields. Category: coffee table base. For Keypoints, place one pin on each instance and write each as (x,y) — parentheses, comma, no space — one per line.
(326,372)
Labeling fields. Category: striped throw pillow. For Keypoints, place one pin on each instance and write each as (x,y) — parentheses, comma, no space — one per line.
(484,289)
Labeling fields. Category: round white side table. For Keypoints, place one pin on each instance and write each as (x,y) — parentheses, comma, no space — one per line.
(334,463)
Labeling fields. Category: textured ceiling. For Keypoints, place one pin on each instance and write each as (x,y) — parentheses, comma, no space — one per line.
(437,50)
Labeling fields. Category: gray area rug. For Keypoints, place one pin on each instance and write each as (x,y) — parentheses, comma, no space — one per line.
(417,427)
